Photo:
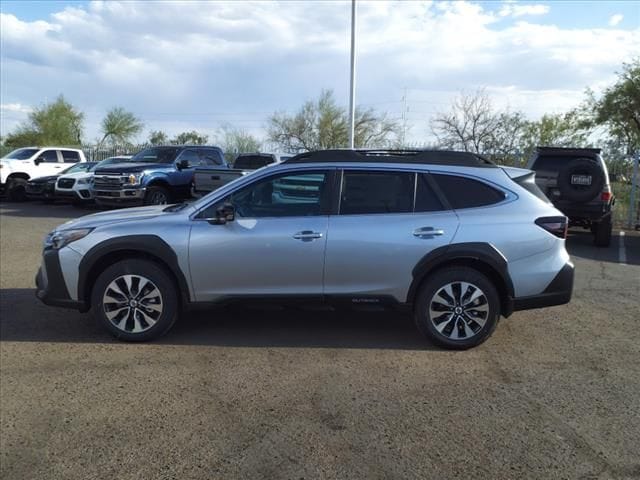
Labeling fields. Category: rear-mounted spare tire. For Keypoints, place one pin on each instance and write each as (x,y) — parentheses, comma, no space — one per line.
(575,169)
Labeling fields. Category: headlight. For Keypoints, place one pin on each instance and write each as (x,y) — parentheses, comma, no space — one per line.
(135,178)
(57,240)
(83,181)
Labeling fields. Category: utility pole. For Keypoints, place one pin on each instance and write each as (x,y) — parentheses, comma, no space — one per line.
(352,96)
(635,183)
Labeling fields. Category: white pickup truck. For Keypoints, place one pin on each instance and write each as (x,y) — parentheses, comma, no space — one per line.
(22,164)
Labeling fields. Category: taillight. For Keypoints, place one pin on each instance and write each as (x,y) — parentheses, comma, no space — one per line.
(554,225)
(606,196)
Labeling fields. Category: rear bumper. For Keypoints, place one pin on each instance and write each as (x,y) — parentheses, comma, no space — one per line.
(558,292)
(595,211)
(51,288)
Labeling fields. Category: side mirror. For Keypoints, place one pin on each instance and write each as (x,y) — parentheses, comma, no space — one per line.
(226,213)
(183,164)
(37,161)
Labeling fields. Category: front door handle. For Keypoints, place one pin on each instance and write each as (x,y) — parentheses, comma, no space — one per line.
(307,235)
(428,232)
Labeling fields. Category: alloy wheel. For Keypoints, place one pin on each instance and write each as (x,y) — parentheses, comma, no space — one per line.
(132,303)
(459,310)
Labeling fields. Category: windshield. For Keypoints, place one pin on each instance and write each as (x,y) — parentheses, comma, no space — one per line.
(155,155)
(22,153)
(80,167)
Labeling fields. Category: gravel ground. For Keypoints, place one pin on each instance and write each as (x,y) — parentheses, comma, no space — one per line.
(293,393)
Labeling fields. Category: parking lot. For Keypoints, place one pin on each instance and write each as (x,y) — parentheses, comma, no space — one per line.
(310,393)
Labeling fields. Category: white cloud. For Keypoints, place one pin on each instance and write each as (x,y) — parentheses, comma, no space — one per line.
(512,9)
(615,19)
(203,64)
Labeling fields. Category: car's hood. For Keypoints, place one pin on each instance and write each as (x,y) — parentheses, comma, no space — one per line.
(48,178)
(78,175)
(115,216)
(119,168)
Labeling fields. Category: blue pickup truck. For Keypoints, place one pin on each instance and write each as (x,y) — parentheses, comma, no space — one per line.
(155,176)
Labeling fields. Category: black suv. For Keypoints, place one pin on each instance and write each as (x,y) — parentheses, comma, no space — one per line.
(577,183)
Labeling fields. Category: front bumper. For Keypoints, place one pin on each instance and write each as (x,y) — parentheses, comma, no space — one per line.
(79,195)
(51,288)
(125,196)
(557,293)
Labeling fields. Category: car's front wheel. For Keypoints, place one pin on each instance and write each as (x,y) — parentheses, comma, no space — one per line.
(457,307)
(135,300)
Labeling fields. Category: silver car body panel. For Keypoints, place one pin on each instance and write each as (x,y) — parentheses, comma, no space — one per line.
(355,254)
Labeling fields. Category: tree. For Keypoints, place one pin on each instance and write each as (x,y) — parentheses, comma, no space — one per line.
(158,137)
(323,124)
(235,141)
(469,125)
(619,107)
(559,130)
(56,123)
(120,126)
(190,138)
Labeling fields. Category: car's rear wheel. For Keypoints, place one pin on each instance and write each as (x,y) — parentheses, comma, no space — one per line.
(135,300)
(157,195)
(602,232)
(457,307)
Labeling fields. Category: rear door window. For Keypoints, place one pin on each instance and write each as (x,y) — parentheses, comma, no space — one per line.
(463,192)
(69,156)
(426,198)
(210,157)
(370,192)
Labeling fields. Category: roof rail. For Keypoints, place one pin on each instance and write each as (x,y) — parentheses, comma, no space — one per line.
(433,157)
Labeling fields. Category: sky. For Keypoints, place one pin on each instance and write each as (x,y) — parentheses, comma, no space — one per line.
(192,65)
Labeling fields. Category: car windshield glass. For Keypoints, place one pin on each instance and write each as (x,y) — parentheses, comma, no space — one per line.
(21,153)
(155,155)
(80,167)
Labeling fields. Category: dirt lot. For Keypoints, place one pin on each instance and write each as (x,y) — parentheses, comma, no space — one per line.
(310,394)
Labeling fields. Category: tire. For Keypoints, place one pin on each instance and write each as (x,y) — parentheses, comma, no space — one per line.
(157,195)
(16,190)
(457,332)
(156,318)
(602,233)
(580,193)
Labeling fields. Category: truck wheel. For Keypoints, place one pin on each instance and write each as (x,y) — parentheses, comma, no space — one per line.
(603,230)
(135,300)
(157,195)
(16,189)
(457,307)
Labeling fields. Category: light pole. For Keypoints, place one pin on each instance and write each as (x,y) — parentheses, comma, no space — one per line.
(352,95)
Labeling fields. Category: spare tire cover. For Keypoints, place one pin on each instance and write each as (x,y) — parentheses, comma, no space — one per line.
(576,192)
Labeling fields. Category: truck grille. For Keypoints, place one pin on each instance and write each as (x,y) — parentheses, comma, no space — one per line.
(66,182)
(108,182)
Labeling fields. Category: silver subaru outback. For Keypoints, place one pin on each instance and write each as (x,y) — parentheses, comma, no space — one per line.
(448,236)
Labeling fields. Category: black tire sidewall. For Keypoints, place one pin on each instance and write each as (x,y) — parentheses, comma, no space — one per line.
(154,272)
(603,232)
(581,196)
(436,281)
(16,190)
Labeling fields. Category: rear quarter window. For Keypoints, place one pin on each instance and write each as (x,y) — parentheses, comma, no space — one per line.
(463,192)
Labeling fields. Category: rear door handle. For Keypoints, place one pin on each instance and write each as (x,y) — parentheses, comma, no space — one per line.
(307,235)
(428,232)
(215,177)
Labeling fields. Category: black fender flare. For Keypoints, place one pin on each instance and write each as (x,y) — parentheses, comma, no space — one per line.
(146,245)
(484,253)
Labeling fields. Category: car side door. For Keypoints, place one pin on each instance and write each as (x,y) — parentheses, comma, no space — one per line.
(274,246)
(48,162)
(387,221)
